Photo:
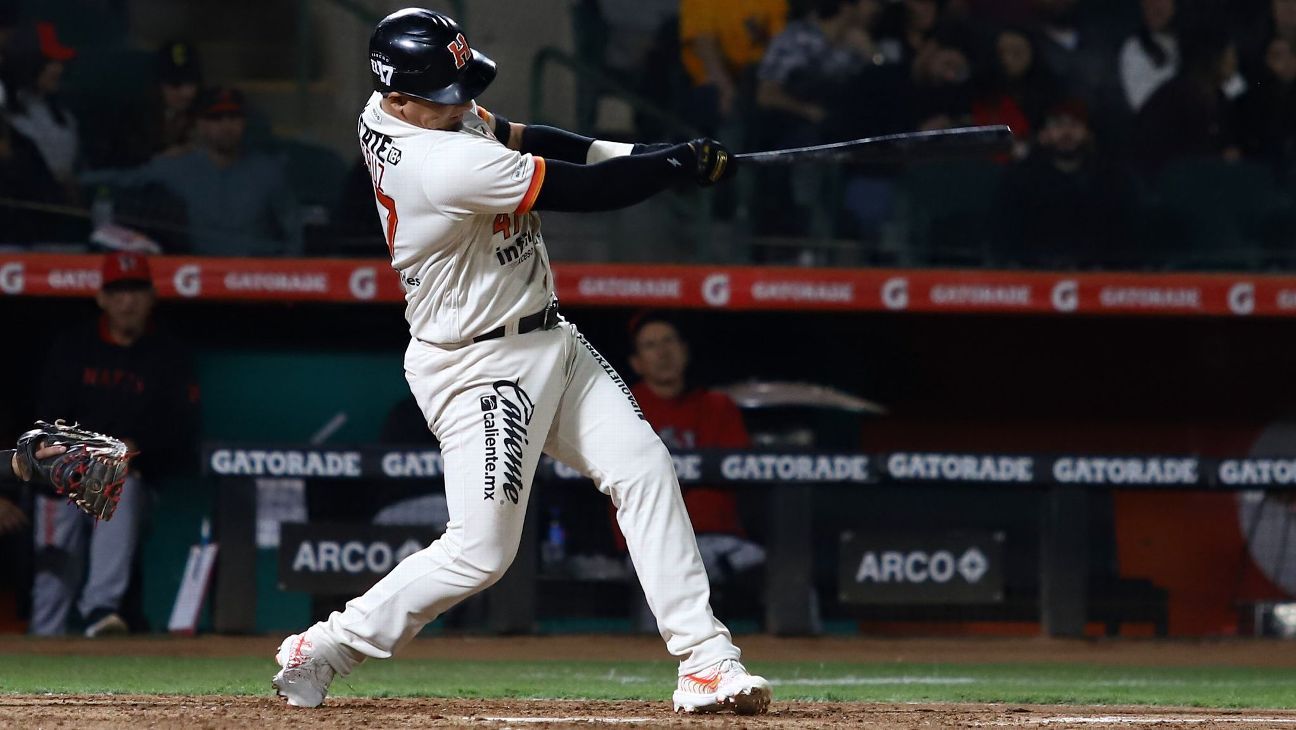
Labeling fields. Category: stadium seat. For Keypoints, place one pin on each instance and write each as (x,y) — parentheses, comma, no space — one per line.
(1223,212)
(947,208)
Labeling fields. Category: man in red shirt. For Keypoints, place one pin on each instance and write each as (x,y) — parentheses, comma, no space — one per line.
(693,418)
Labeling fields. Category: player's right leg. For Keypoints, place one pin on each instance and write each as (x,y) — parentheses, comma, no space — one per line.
(600,432)
(490,405)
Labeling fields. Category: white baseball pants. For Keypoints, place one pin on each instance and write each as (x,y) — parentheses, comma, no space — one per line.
(495,406)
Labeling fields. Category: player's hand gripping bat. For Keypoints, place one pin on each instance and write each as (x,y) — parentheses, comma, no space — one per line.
(906,147)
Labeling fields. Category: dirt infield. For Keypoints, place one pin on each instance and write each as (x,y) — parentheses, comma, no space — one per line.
(254,712)
(109,711)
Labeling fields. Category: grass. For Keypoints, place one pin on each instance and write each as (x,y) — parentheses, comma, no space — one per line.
(873,682)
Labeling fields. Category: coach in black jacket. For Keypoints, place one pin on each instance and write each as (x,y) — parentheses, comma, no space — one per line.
(116,375)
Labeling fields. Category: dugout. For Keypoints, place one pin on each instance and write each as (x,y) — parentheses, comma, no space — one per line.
(966,383)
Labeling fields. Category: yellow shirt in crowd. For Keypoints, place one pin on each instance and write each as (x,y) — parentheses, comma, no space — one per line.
(743,27)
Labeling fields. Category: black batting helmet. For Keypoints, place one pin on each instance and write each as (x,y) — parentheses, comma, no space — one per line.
(424,54)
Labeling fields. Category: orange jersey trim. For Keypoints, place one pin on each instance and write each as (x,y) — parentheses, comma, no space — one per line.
(537,179)
(485,116)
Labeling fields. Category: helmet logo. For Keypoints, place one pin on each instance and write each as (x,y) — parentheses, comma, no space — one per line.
(384,71)
(460,50)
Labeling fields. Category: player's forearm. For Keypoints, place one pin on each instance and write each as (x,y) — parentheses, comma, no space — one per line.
(553,143)
(616,183)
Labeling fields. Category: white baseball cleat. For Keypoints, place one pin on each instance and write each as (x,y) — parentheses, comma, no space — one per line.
(304,678)
(724,686)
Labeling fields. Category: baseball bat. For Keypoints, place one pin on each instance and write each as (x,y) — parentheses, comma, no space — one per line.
(904,147)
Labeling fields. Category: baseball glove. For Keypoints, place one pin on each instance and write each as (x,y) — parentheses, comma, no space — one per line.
(90,473)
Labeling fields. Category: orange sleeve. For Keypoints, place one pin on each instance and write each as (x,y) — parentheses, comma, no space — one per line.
(533,191)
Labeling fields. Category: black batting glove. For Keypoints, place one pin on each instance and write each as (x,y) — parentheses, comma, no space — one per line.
(714,161)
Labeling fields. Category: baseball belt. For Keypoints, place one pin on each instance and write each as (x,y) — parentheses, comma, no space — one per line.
(545,319)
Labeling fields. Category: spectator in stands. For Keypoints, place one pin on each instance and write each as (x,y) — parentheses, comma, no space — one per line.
(1189,115)
(239,203)
(35,75)
(164,123)
(1017,89)
(1072,50)
(942,74)
(1266,114)
(905,28)
(1150,57)
(722,41)
(1063,206)
(118,375)
(25,180)
(810,64)
(690,417)
(1278,22)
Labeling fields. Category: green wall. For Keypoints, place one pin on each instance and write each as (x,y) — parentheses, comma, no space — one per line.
(270,397)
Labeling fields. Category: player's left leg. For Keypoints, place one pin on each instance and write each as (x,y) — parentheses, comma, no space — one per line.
(112,553)
(599,431)
(490,405)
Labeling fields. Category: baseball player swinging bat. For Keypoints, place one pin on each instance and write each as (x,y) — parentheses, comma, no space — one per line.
(906,147)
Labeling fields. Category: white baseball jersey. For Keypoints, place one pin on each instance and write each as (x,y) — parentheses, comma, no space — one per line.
(456,211)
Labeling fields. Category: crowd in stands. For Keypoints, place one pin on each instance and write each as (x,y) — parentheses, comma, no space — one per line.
(1126,115)
(1118,107)
(173,171)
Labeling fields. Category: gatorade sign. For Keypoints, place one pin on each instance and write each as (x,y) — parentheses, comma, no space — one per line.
(930,569)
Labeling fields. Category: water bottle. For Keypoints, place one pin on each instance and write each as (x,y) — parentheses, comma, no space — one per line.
(101,210)
(554,550)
